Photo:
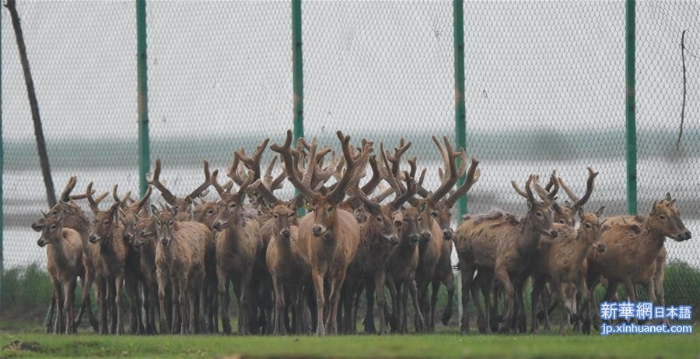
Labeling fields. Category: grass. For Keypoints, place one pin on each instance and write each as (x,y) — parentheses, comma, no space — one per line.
(411,346)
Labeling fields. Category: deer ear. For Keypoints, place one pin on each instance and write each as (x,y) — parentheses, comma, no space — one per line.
(668,196)
(580,213)
(556,208)
(422,206)
(60,217)
(599,212)
(174,210)
(154,210)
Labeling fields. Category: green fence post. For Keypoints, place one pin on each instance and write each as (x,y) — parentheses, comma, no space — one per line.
(460,111)
(298,64)
(630,107)
(298,70)
(144,147)
(2,171)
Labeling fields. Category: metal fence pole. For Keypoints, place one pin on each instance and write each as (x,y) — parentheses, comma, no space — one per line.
(460,115)
(2,171)
(298,64)
(460,111)
(144,147)
(630,107)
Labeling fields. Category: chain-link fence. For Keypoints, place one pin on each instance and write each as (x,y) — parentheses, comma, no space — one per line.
(545,89)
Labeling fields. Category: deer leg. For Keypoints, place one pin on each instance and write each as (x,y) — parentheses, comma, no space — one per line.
(356,305)
(393,315)
(467,274)
(379,280)
(403,305)
(557,287)
(101,285)
(333,299)
(162,283)
(449,283)
(320,303)
(222,278)
(509,292)
(433,303)
(522,317)
(69,295)
(118,285)
(49,323)
(416,306)
(244,304)
(279,327)
(58,325)
(85,298)
(537,287)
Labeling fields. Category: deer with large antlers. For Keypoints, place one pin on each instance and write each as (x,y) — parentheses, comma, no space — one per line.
(132,273)
(493,243)
(183,204)
(285,260)
(180,258)
(563,218)
(329,235)
(437,210)
(378,240)
(74,217)
(238,247)
(108,251)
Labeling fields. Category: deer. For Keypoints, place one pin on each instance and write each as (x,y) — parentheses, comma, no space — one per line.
(144,241)
(285,259)
(130,215)
(561,260)
(633,247)
(180,257)
(238,248)
(437,211)
(563,217)
(182,203)
(329,235)
(378,240)
(495,244)
(64,253)
(108,251)
(74,217)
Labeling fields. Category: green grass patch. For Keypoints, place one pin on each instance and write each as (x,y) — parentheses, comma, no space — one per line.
(411,346)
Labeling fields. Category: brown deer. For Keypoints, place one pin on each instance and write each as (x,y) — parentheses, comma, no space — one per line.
(633,247)
(64,263)
(560,261)
(74,217)
(437,209)
(494,243)
(145,242)
(378,240)
(330,235)
(108,251)
(285,260)
(180,257)
(183,204)
(238,248)
(132,273)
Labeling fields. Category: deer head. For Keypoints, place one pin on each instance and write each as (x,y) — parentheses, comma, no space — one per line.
(666,220)
(539,215)
(52,230)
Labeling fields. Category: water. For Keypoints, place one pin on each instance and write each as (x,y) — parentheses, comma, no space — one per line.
(24,196)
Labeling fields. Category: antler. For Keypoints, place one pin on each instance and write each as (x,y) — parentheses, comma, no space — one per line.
(472,177)
(144,199)
(578,203)
(265,192)
(207,182)
(65,195)
(155,181)
(406,195)
(286,152)
(219,189)
(94,202)
(528,191)
(336,196)
(254,162)
(396,158)
(450,170)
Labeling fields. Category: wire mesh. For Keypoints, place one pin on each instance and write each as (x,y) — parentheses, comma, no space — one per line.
(544,90)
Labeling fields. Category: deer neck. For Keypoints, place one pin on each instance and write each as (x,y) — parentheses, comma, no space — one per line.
(528,241)
(582,248)
(57,249)
(652,241)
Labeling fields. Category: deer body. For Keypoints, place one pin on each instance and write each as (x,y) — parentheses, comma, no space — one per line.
(64,263)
